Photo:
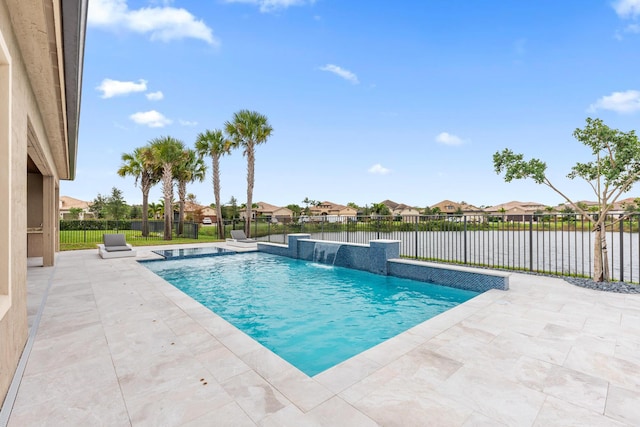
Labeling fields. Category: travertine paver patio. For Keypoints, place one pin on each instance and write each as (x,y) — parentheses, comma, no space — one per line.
(118,346)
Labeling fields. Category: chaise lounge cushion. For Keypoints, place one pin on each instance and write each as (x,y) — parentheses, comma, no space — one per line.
(239,236)
(115,246)
(115,243)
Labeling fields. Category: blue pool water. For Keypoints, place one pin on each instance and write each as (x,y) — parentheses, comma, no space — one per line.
(312,315)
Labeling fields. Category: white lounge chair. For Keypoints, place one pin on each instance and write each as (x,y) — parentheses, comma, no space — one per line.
(115,246)
(239,239)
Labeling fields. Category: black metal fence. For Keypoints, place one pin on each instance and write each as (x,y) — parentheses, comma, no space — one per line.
(91,231)
(550,244)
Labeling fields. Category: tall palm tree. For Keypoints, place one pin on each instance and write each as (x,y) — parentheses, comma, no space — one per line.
(141,166)
(214,144)
(248,129)
(190,169)
(167,153)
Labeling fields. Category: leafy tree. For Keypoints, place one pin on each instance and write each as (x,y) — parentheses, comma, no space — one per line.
(307,201)
(615,168)
(213,143)
(233,208)
(140,165)
(191,168)
(167,153)
(116,207)
(98,206)
(568,213)
(246,130)
(135,212)
(380,209)
(353,206)
(296,209)
(74,213)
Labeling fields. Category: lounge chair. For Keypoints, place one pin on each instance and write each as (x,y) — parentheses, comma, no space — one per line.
(239,239)
(115,246)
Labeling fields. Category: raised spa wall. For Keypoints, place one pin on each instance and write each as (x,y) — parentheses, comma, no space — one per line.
(383,257)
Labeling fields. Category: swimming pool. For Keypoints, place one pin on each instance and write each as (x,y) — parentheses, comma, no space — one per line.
(312,315)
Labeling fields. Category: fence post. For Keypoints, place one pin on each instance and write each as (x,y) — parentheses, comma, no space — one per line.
(531,243)
(621,248)
(416,235)
(465,239)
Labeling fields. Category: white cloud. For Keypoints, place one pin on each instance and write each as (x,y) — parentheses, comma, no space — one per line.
(155,96)
(448,139)
(187,122)
(163,23)
(378,169)
(627,8)
(345,74)
(273,5)
(152,118)
(620,102)
(111,88)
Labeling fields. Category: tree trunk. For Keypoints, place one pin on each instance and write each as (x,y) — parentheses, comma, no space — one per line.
(598,273)
(605,256)
(182,195)
(250,178)
(167,190)
(145,212)
(215,165)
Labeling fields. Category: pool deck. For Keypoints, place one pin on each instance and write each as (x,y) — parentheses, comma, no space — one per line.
(116,345)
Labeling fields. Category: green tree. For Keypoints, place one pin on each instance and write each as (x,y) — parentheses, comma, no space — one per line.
(233,208)
(140,165)
(98,206)
(614,169)
(380,209)
(214,144)
(246,130)
(296,209)
(353,206)
(167,153)
(74,213)
(155,210)
(116,207)
(307,201)
(191,168)
(135,212)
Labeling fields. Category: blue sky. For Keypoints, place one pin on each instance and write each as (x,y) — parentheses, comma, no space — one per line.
(369,101)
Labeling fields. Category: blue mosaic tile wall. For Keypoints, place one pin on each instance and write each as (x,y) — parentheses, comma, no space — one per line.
(382,257)
(469,280)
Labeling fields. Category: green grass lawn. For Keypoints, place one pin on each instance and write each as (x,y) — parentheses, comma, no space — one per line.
(73,240)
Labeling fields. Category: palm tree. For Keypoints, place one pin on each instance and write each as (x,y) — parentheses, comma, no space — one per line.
(190,169)
(167,153)
(248,129)
(214,144)
(154,210)
(140,165)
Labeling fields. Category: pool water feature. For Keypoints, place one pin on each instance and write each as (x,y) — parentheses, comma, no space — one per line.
(312,315)
(326,253)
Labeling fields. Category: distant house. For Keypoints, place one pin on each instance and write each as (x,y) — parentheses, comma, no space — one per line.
(273,213)
(406,212)
(67,203)
(516,211)
(194,212)
(447,207)
(209,212)
(333,209)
